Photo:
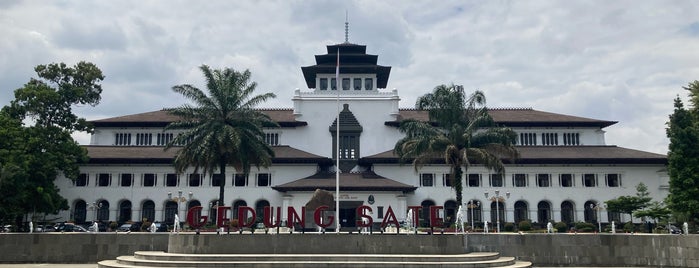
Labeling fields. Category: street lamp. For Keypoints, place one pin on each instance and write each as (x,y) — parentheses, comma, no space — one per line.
(497,198)
(597,207)
(95,206)
(473,204)
(179,198)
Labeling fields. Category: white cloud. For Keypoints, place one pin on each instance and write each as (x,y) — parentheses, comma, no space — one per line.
(623,60)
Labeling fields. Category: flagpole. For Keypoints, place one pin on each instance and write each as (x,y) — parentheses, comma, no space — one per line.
(337,146)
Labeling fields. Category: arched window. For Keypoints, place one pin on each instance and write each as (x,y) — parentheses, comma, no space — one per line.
(474,211)
(237,204)
(213,211)
(500,207)
(521,211)
(543,212)
(103,210)
(80,212)
(613,216)
(590,212)
(260,208)
(450,208)
(567,212)
(148,211)
(170,211)
(425,213)
(124,211)
(191,204)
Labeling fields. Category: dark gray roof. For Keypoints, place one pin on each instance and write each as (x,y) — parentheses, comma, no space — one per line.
(517,117)
(157,155)
(284,117)
(362,181)
(558,155)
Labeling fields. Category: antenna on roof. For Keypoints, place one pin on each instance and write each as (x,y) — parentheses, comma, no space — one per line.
(346,27)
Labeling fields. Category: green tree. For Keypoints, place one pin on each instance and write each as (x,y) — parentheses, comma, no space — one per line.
(683,155)
(221,128)
(656,211)
(629,204)
(33,156)
(460,132)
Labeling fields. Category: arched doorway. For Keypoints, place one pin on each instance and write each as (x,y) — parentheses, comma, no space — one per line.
(425,213)
(543,212)
(497,206)
(103,210)
(521,211)
(474,212)
(567,212)
(236,205)
(450,208)
(213,211)
(260,208)
(124,211)
(170,211)
(148,211)
(80,212)
(590,213)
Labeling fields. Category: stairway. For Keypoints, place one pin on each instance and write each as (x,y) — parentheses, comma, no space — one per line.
(164,259)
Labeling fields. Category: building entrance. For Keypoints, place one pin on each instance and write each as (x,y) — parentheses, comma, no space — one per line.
(348,214)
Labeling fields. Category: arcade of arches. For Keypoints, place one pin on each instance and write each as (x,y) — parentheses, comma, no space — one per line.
(100,211)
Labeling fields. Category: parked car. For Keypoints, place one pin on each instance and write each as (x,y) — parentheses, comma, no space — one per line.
(130,227)
(70,227)
(675,230)
(160,227)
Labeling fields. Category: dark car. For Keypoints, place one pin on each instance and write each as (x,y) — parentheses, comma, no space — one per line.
(130,227)
(69,227)
(675,230)
(160,227)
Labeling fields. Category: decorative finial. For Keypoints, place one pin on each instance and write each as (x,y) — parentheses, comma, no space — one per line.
(346,27)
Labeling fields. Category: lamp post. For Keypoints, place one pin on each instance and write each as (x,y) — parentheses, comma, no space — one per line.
(597,207)
(178,199)
(497,198)
(95,206)
(472,205)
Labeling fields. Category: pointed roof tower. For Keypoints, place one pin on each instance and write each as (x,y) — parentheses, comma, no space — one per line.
(353,60)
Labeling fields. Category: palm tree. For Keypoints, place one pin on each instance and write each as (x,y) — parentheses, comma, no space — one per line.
(221,128)
(460,132)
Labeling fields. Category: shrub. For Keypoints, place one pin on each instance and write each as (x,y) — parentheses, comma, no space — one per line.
(524,226)
(584,227)
(561,227)
(629,227)
(509,227)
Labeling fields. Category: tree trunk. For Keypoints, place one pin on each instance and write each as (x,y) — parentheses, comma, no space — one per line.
(222,169)
(458,186)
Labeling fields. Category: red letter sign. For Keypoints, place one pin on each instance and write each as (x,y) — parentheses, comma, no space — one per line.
(361,211)
(242,213)
(318,217)
(390,217)
(294,217)
(269,214)
(435,220)
(221,219)
(192,214)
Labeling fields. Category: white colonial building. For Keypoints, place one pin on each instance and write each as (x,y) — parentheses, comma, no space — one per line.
(565,173)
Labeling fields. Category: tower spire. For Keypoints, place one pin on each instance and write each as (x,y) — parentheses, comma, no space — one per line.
(346,27)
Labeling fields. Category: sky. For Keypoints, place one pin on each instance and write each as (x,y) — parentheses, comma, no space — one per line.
(621,61)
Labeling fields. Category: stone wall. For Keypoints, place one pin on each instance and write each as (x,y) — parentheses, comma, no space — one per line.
(75,247)
(593,249)
(319,244)
(540,249)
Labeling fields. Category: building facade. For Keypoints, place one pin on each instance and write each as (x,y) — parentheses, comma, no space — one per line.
(565,171)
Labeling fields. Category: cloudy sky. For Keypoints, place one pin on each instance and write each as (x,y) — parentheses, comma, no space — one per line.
(612,60)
